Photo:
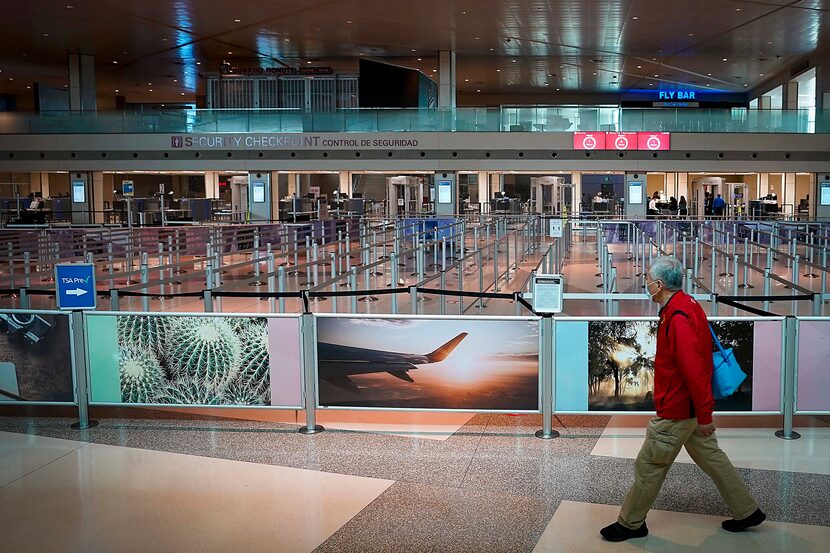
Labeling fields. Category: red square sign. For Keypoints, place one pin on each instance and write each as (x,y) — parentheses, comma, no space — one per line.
(653,141)
(621,140)
(589,141)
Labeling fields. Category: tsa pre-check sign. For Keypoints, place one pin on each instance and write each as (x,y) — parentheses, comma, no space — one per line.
(75,286)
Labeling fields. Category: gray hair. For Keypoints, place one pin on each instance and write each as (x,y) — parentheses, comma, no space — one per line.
(667,270)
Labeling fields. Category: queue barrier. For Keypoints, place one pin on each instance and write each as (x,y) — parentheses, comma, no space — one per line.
(203,359)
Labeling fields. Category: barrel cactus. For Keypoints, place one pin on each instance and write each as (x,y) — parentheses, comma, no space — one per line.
(253,364)
(243,392)
(148,332)
(142,378)
(190,391)
(205,349)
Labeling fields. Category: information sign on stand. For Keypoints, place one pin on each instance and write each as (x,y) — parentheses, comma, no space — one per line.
(555,228)
(127,188)
(75,286)
(548,293)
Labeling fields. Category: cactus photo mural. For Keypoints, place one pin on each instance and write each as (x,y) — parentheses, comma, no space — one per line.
(187,360)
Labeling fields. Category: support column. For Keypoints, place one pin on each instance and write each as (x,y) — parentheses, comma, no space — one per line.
(446,193)
(496,183)
(98,197)
(791,95)
(765,102)
(788,197)
(40,182)
(81,82)
(763,184)
(293,184)
(345,186)
(259,196)
(211,184)
(275,195)
(483,191)
(636,208)
(576,198)
(682,180)
(446,79)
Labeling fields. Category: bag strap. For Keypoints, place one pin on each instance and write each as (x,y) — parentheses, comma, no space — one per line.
(717,342)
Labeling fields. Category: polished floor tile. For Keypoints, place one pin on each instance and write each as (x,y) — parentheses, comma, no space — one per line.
(754,448)
(575,527)
(412,424)
(21,454)
(107,498)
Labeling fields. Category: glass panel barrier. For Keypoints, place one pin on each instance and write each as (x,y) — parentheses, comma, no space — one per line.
(195,360)
(36,358)
(608,366)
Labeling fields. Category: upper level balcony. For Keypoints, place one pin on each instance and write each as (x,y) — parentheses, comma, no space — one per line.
(467,119)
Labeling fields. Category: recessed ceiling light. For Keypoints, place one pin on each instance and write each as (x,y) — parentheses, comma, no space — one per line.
(476,38)
(151,90)
(434,70)
(28,88)
(69,6)
(466,80)
(115,61)
(463,13)
(149,84)
(635,18)
(691,34)
(45,34)
(419,59)
(737,9)
(286,40)
(707,84)
(761,75)
(746,84)
(492,49)
(656,75)
(164,39)
(175,80)
(595,72)
(117,90)
(725,59)
(237,21)
(413,49)
(653,59)
(514,61)
(182,93)
(309,61)
(230,53)
(639,67)
(709,74)
(557,90)
(198,63)
(349,22)
(498,70)
(479,90)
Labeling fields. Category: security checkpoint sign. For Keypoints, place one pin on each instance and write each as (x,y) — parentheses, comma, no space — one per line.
(555,228)
(75,286)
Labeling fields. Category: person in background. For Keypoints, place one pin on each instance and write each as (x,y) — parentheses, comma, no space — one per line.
(682,208)
(718,206)
(673,205)
(684,402)
(652,207)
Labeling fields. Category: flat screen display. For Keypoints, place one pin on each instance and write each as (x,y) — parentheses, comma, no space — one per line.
(79,192)
(259,193)
(635,192)
(444,192)
(825,193)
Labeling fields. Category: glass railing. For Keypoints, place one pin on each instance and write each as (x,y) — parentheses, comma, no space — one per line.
(504,119)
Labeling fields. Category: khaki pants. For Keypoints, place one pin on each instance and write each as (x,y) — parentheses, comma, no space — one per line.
(664,438)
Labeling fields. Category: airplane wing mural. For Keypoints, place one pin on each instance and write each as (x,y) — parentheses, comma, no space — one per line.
(336,362)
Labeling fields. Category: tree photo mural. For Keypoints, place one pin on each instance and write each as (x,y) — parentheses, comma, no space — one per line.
(621,364)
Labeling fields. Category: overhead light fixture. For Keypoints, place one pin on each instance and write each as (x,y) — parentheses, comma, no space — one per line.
(413,49)
(349,22)
(514,61)
(286,40)
(498,70)
(175,80)
(151,90)
(639,67)
(115,62)
(709,74)
(198,63)
(478,90)
(761,75)
(69,6)
(309,62)
(635,18)
(466,80)
(725,59)
(230,53)
(117,90)
(419,59)
(182,93)
(237,21)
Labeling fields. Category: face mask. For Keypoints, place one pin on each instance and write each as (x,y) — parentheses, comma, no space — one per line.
(649,291)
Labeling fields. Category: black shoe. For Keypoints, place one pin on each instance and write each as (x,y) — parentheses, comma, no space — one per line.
(754,519)
(618,532)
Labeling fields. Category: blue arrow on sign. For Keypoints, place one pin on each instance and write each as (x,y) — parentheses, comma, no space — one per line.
(75,286)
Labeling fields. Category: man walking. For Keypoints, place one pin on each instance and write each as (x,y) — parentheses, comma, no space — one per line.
(684,402)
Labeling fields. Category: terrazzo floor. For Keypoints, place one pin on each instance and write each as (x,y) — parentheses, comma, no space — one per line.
(202,483)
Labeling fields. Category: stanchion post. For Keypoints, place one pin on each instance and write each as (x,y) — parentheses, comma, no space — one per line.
(547,364)
(307,332)
(788,369)
(76,320)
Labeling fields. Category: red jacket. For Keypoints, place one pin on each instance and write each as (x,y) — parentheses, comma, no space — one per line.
(683,363)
